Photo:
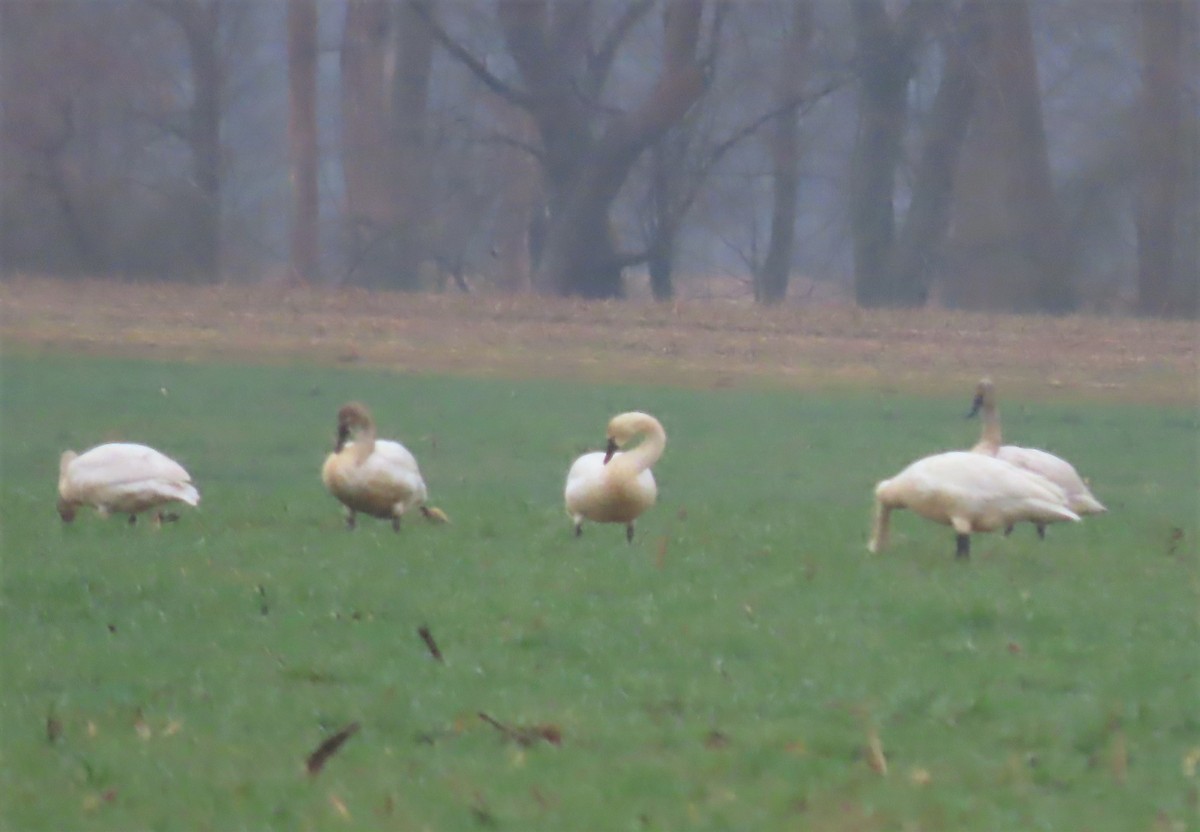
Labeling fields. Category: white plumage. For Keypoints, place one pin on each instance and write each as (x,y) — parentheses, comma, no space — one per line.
(613,486)
(378,477)
(1044,464)
(121,477)
(970,492)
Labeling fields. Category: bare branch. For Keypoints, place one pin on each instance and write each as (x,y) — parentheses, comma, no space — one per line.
(601,62)
(472,63)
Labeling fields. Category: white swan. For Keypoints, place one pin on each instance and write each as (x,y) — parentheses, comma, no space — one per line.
(1057,470)
(122,477)
(616,487)
(375,476)
(969,491)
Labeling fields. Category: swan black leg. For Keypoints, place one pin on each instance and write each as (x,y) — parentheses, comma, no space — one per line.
(962,548)
(133,519)
(351,520)
(396,523)
(629,533)
(1041,527)
(579,530)
(1008,530)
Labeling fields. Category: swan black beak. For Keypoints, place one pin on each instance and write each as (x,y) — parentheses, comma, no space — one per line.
(609,450)
(342,435)
(975,405)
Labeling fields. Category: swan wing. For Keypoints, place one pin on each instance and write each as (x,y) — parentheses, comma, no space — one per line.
(124,462)
(585,478)
(388,476)
(1058,471)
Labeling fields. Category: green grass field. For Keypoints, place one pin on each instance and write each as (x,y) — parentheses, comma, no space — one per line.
(729,670)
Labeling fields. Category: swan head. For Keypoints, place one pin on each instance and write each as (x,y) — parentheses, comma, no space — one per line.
(352,417)
(625,427)
(66,510)
(985,396)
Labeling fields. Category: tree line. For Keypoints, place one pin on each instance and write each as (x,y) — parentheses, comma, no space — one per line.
(1021,155)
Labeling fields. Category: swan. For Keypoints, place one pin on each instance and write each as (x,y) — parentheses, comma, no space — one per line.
(375,476)
(122,477)
(969,491)
(1057,470)
(617,486)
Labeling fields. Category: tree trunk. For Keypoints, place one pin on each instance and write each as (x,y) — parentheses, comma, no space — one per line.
(387,52)
(1011,250)
(666,173)
(917,250)
(413,224)
(302,138)
(1163,287)
(199,20)
(771,280)
(886,62)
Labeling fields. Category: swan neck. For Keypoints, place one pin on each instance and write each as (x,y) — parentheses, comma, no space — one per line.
(990,437)
(649,449)
(879,529)
(364,444)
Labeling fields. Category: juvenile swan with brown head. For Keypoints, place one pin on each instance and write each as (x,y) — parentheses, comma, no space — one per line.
(378,477)
(122,478)
(617,486)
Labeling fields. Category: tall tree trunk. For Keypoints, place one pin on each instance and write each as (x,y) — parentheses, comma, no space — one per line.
(413,224)
(917,250)
(1011,250)
(886,53)
(771,280)
(302,137)
(1163,288)
(666,172)
(366,163)
(199,20)
(387,52)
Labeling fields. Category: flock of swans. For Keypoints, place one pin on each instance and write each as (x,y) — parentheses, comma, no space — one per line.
(988,488)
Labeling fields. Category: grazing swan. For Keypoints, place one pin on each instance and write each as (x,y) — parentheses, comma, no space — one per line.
(375,476)
(616,487)
(1057,470)
(124,478)
(969,491)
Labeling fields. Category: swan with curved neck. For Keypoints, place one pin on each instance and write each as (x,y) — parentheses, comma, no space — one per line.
(122,478)
(1044,464)
(617,486)
(373,476)
(970,492)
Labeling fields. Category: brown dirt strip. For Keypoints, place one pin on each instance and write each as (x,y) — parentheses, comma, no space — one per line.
(703,343)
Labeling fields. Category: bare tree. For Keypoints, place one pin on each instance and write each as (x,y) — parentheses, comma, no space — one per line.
(302,137)
(771,279)
(199,23)
(1008,225)
(916,253)
(1167,283)
(386,60)
(887,58)
(587,147)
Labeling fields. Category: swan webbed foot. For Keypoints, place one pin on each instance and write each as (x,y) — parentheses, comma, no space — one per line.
(629,533)
(1041,530)
(962,547)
